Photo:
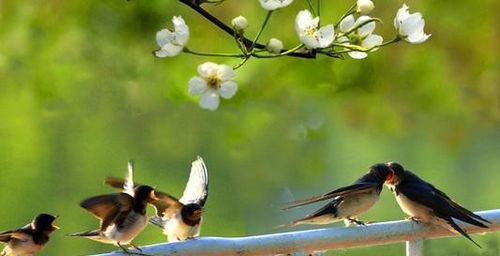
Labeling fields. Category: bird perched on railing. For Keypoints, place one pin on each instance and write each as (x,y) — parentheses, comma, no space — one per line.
(347,202)
(30,239)
(180,219)
(424,202)
(122,215)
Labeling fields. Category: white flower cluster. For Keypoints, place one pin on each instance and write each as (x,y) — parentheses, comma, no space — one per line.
(351,35)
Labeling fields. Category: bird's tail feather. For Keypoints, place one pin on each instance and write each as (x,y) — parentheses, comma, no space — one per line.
(287,225)
(157,221)
(92,233)
(461,231)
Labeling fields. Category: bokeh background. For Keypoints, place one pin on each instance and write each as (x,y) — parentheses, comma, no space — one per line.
(81,93)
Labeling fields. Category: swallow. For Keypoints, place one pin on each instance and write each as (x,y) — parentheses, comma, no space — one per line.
(180,219)
(347,202)
(30,239)
(425,203)
(122,215)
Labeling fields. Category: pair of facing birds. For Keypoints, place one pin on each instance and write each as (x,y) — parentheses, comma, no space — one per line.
(123,215)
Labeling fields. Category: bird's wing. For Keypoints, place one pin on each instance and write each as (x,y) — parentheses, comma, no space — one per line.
(196,190)
(340,192)
(442,206)
(457,206)
(108,207)
(128,186)
(164,200)
(8,235)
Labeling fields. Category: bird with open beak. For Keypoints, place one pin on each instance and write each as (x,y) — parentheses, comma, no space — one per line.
(122,215)
(180,219)
(30,239)
(425,203)
(346,202)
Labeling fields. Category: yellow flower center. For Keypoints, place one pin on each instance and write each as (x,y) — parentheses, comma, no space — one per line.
(214,82)
(311,32)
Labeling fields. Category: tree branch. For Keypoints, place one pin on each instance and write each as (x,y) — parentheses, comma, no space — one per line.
(194,4)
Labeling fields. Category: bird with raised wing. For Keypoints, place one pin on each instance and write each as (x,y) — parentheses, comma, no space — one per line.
(425,203)
(346,202)
(180,219)
(30,239)
(122,215)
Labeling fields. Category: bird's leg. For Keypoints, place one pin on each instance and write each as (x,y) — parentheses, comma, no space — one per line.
(415,219)
(125,250)
(358,222)
(136,247)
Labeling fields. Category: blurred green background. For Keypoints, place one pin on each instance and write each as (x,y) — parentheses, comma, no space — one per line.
(81,93)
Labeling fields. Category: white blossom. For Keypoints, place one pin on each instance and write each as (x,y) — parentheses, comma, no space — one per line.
(274,4)
(172,42)
(239,23)
(410,27)
(213,81)
(365,6)
(309,34)
(362,36)
(274,45)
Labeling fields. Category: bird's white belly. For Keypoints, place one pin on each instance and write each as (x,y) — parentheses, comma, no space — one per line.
(21,248)
(177,230)
(356,204)
(414,209)
(126,235)
(422,213)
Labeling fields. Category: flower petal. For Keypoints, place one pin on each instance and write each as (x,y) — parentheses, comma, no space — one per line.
(225,73)
(197,85)
(367,28)
(168,50)
(164,37)
(208,69)
(372,41)
(228,89)
(346,23)
(401,15)
(303,21)
(181,30)
(274,4)
(326,36)
(209,100)
(358,55)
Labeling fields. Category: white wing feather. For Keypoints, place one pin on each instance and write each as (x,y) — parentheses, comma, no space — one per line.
(128,186)
(196,190)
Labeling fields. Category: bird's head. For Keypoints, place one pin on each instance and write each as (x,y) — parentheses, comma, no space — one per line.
(380,172)
(145,194)
(44,223)
(192,212)
(397,173)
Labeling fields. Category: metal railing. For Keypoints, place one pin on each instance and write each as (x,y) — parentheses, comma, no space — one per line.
(318,240)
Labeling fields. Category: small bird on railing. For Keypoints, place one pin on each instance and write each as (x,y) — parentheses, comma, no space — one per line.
(425,203)
(348,201)
(122,215)
(30,239)
(180,219)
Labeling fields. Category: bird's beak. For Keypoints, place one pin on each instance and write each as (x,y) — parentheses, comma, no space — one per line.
(198,213)
(55,227)
(390,176)
(153,196)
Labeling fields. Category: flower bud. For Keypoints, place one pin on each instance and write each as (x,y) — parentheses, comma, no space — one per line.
(240,23)
(274,45)
(365,6)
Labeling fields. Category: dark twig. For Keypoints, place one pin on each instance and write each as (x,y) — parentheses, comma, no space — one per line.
(195,5)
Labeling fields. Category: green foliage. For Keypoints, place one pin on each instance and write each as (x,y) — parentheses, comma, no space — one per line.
(81,93)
